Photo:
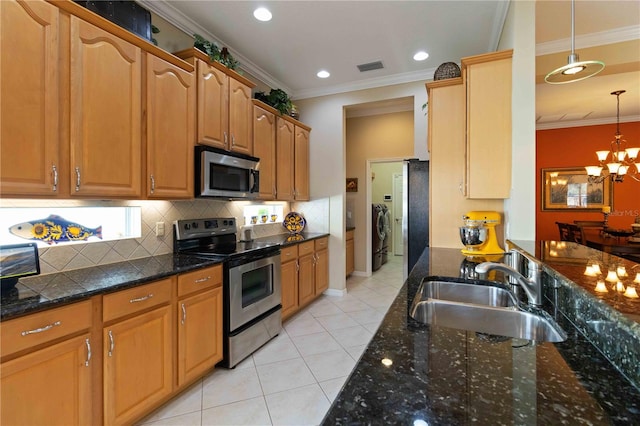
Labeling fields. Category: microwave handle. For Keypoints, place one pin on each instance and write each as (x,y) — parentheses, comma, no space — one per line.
(255,185)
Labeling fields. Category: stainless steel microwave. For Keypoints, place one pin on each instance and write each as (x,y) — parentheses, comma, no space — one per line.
(224,174)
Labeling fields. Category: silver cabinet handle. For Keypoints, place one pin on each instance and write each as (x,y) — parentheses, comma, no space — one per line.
(226,139)
(41,329)
(54,171)
(77,179)
(112,344)
(153,184)
(184,314)
(297,266)
(141,299)
(86,363)
(201,280)
(233,140)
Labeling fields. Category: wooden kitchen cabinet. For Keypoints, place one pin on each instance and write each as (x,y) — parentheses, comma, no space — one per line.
(105,113)
(289,280)
(199,323)
(170,128)
(29,138)
(46,375)
(224,108)
(264,147)
(301,168)
(285,159)
(488,142)
(321,265)
(350,253)
(138,351)
(306,273)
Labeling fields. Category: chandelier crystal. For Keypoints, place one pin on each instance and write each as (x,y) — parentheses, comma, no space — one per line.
(619,161)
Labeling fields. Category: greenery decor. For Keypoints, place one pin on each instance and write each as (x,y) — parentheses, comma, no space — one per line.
(276,98)
(215,54)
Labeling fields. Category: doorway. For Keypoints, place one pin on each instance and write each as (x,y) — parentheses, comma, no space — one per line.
(396,216)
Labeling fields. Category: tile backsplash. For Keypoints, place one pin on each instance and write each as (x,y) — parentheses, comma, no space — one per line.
(75,256)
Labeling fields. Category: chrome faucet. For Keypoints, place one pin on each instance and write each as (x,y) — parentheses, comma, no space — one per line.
(532,284)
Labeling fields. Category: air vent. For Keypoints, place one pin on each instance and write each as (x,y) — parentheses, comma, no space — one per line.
(377,65)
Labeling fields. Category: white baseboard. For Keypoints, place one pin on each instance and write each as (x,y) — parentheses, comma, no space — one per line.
(360,274)
(335,292)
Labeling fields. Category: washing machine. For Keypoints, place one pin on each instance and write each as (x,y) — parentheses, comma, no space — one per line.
(377,236)
(386,242)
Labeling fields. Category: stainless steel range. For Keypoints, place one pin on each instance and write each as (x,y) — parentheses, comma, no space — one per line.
(251,286)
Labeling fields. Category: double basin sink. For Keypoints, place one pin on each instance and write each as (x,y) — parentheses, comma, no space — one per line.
(481,306)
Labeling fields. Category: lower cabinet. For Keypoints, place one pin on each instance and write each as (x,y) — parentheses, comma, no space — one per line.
(138,365)
(306,273)
(350,255)
(46,374)
(199,324)
(321,265)
(289,280)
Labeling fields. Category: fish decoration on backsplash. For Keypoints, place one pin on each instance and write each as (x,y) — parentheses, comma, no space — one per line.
(54,229)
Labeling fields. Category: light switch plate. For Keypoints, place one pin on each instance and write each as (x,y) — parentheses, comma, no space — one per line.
(159,229)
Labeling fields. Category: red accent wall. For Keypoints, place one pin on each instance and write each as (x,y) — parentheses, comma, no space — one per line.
(576,147)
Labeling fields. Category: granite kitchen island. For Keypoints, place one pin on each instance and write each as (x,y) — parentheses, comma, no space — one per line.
(444,376)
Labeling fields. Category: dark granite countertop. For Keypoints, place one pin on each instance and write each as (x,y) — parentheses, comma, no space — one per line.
(42,292)
(289,239)
(444,376)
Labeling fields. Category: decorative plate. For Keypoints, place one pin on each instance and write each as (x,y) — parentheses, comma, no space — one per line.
(294,222)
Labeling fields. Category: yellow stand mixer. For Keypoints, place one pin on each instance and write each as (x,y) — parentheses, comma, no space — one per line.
(479,233)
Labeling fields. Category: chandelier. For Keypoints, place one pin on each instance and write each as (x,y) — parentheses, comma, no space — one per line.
(622,160)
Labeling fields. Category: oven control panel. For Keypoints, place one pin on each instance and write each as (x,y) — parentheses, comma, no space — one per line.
(197,228)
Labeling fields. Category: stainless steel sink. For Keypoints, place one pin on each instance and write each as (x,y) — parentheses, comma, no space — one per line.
(467,293)
(481,308)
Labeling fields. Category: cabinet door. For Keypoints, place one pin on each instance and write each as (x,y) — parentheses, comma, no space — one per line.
(138,365)
(322,271)
(170,117)
(29,141)
(213,101)
(289,280)
(105,113)
(199,334)
(51,386)
(489,125)
(264,147)
(350,248)
(306,278)
(284,159)
(301,185)
(240,117)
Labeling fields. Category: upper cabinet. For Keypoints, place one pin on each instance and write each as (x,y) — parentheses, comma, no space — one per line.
(225,111)
(264,147)
(105,112)
(301,172)
(170,130)
(488,85)
(29,137)
(285,134)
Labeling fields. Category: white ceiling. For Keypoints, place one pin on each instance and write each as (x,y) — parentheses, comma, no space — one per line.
(306,36)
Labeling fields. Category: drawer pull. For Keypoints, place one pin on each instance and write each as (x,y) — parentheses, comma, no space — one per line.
(54,170)
(77,179)
(201,280)
(153,184)
(112,344)
(41,329)
(184,314)
(141,299)
(86,363)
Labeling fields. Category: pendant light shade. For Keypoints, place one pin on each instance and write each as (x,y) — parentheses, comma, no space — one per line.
(575,70)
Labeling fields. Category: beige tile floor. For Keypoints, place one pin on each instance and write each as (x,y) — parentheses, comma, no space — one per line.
(293,379)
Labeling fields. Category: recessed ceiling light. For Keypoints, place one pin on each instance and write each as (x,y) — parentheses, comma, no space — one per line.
(421,56)
(262,14)
(323,74)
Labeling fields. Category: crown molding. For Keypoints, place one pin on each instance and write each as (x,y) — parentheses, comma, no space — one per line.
(189,26)
(586,122)
(616,35)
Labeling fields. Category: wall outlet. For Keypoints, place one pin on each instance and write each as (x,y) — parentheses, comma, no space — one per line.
(159,229)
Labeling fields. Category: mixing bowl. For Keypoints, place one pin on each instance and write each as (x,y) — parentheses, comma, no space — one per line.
(473,236)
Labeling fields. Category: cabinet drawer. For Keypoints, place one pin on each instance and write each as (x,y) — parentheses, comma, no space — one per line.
(199,280)
(26,332)
(136,299)
(305,248)
(322,243)
(288,253)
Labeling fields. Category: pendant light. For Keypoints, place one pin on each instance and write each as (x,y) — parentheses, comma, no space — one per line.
(574,70)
